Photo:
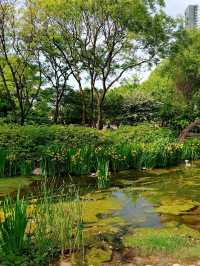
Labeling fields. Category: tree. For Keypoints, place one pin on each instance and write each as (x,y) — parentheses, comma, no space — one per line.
(161,86)
(20,62)
(56,73)
(185,58)
(102,40)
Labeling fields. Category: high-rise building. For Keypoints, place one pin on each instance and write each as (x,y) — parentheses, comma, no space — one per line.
(192,16)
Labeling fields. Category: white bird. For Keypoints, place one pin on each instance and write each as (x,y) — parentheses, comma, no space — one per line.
(187,163)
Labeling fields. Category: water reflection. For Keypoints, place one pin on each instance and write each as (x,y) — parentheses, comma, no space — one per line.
(138,212)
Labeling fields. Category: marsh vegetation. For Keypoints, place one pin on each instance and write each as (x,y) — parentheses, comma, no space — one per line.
(98,165)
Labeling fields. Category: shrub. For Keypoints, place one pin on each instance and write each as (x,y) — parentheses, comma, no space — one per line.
(74,150)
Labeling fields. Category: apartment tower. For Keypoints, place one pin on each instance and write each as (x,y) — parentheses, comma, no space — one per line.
(192,16)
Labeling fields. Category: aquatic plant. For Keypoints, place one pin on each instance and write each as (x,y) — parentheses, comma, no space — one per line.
(121,157)
(191,149)
(103,178)
(14,223)
(33,231)
(59,219)
(60,151)
(82,160)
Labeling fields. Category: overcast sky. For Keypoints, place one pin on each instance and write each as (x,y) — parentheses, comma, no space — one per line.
(177,7)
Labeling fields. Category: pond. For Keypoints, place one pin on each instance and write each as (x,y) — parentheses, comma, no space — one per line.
(142,213)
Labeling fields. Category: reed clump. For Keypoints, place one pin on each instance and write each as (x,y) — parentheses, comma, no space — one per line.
(33,232)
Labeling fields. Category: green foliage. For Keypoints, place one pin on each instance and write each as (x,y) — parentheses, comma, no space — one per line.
(128,104)
(191,149)
(103,180)
(59,151)
(34,232)
(186,61)
(13,227)
(169,240)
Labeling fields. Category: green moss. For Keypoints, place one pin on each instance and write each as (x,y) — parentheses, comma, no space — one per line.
(169,240)
(190,252)
(96,256)
(109,226)
(10,184)
(176,206)
(101,204)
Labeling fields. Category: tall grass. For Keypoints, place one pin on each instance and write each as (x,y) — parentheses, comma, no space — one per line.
(13,226)
(59,218)
(103,178)
(35,231)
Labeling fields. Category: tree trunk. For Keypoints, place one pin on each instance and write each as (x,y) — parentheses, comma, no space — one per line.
(83,120)
(92,123)
(99,116)
(184,133)
(56,114)
(22,119)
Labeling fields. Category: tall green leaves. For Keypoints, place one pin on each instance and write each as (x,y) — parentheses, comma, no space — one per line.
(14,225)
(59,151)
(103,178)
(33,232)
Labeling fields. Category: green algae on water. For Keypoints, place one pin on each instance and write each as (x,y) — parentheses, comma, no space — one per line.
(176,206)
(11,184)
(100,204)
(96,256)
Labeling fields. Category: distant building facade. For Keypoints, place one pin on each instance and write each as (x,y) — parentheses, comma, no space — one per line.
(192,16)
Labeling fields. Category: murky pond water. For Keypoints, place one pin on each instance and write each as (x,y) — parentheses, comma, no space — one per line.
(153,197)
(161,202)
(155,209)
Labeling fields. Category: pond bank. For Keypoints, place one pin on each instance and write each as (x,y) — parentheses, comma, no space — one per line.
(150,217)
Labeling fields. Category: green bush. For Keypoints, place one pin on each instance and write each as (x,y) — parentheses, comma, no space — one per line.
(59,150)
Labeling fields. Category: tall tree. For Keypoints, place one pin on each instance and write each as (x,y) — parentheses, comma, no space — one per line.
(20,57)
(106,39)
(56,73)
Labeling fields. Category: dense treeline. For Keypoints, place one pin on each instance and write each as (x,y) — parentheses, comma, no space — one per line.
(46,46)
(61,62)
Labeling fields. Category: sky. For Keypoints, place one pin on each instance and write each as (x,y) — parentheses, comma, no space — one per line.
(177,7)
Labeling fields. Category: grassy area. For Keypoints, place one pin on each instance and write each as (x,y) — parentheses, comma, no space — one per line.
(172,240)
(75,150)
